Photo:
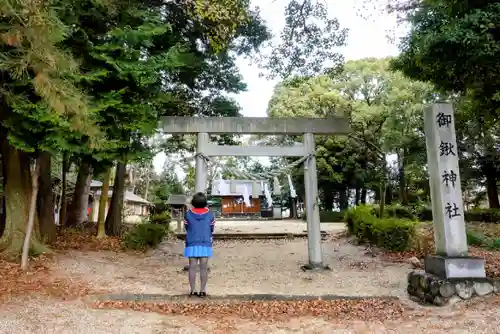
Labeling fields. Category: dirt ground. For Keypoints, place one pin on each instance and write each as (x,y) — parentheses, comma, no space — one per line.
(237,268)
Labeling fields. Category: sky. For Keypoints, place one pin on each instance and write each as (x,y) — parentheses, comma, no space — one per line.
(367,37)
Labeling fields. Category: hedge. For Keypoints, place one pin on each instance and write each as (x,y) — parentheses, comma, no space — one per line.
(329,216)
(476,215)
(389,233)
(394,211)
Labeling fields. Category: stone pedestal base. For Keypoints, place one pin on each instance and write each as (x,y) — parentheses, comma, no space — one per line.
(454,267)
(315,267)
(431,289)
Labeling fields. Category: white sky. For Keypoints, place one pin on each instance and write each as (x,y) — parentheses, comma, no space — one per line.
(366,38)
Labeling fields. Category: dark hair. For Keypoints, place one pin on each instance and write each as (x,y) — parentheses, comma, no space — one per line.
(199,200)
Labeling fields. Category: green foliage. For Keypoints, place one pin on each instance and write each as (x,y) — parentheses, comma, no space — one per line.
(483,215)
(162,218)
(329,216)
(144,236)
(454,45)
(309,42)
(476,215)
(388,233)
(480,240)
(395,211)
(475,239)
(386,111)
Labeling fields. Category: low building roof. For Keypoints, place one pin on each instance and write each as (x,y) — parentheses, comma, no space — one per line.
(128,196)
(176,199)
(95,184)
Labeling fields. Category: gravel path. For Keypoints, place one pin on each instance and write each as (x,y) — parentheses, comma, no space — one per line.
(241,268)
(238,267)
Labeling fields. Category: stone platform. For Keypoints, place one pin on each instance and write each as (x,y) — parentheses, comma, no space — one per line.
(430,289)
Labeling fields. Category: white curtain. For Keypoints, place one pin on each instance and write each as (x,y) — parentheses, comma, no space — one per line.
(267,193)
(277,187)
(246,196)
(293,193)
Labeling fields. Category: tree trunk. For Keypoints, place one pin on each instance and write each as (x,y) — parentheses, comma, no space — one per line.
(45,199)
(77,213)
(17,192)
(328,202)
(2,216)
(103,201)
(293,208)
(115,211)
(343,200)
(148,178)
(383,191)
(63,209)
(364,194)
(32,212)
(403,195)
(357,196)
(489,171)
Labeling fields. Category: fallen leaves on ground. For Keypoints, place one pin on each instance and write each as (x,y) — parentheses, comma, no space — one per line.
(38,279)
(366,309)
(84,240)
(492,258)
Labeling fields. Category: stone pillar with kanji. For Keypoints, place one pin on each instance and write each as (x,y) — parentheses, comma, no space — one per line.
(451,259)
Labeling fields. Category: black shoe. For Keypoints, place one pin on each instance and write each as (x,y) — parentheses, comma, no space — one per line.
(193,294)
(202,294)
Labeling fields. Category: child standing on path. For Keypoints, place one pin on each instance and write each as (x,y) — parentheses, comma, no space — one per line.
(199,223)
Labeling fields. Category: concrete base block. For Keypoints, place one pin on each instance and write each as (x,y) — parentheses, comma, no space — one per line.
(454,267)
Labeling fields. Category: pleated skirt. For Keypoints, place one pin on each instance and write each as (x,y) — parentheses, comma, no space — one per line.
(198,251)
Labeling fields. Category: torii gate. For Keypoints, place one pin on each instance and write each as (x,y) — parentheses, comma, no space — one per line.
(308,127)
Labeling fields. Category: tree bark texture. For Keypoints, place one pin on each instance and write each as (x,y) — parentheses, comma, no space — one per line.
(364,194)
(103,200)
(357,196)
(45,200)
(32,213)
(63,209)
(17,192)
(77,211)
(489,171)
(343,199)
(403,195)
(328,199)
(115,212)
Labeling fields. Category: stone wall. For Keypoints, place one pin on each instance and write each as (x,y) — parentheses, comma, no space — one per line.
(430,289)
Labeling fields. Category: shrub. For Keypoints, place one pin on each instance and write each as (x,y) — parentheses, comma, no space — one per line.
(394,211)
(475,239)
(425,214)
(398,211)
(389,233)
(162,218)
(477,215)
(483,215)
(329,216)
(143,236)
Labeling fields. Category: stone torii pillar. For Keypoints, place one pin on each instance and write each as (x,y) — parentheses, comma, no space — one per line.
(308,127)
(200,183)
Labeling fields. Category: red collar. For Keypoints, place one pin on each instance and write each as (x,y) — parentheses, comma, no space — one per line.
(199,211)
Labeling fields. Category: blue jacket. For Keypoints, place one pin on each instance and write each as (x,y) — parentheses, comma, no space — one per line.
(199,224)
